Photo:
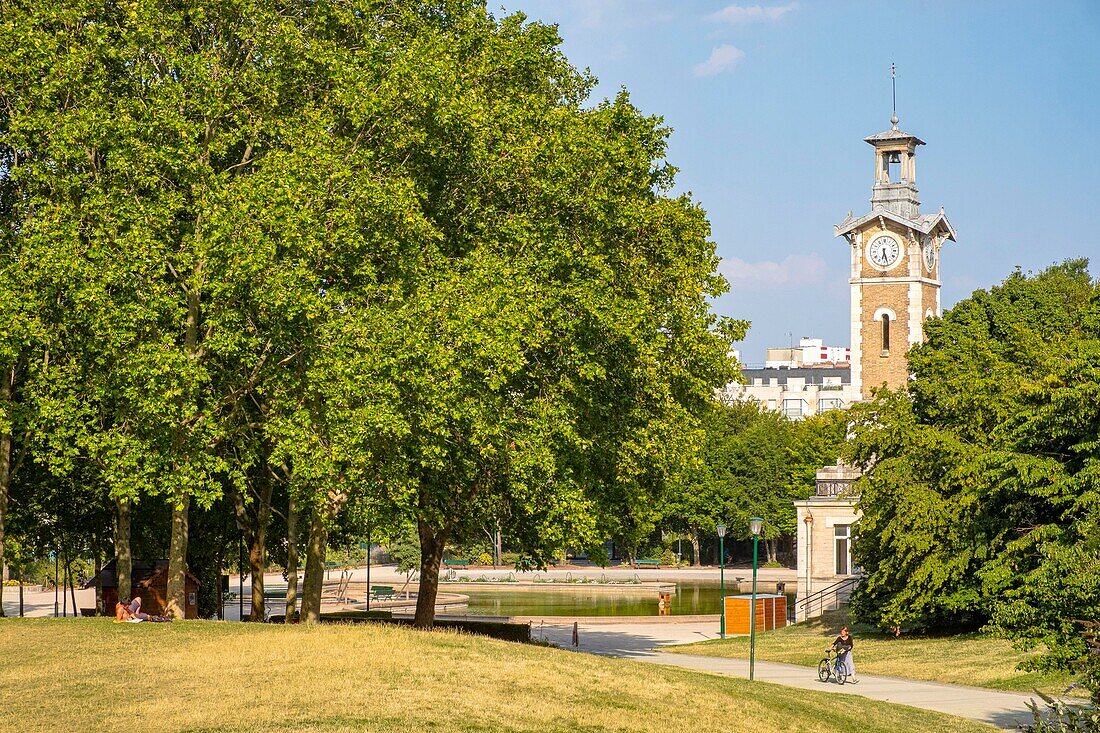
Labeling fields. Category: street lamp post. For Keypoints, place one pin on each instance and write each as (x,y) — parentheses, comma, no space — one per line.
(722,577)
(755,525)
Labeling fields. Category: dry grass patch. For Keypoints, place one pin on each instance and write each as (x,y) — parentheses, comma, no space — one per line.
(79,674)
(965,659)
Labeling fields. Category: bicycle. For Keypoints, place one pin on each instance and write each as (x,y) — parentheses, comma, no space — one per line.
(832,665)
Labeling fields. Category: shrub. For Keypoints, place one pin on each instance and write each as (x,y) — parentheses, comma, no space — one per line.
(484,559)
(1061,717)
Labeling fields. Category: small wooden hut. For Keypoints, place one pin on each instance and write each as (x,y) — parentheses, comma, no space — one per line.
(149,580)
(771,612)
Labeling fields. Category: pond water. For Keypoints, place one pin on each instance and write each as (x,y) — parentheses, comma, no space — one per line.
(690,598)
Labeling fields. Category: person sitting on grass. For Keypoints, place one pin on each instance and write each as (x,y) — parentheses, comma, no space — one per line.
(132,613)
(135,609)
(123,613)
(843,646)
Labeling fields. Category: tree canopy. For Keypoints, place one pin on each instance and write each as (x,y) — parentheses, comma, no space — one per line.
(981,498)
(752,462)
(372,260)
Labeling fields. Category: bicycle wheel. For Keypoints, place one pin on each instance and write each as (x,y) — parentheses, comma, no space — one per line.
(823,670)
(841,673)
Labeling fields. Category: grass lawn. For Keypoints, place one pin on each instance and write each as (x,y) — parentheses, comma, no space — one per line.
(964,659)
(93,674)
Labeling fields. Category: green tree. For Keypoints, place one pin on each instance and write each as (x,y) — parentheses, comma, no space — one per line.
(752,462)
(556,341)
(376,253)
(981,478)
(206,183)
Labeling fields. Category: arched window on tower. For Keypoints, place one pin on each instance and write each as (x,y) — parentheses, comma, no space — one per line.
(885,333)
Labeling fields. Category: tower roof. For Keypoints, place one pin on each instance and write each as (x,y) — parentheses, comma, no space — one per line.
(923,223)
(891,135)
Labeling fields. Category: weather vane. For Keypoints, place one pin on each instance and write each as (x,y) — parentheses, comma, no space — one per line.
(894,94)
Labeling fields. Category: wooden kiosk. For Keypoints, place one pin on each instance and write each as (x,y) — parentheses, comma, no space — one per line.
(771,612)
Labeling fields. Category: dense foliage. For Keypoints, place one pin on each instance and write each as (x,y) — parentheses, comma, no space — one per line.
(373,263)
(981,502)
(751,462)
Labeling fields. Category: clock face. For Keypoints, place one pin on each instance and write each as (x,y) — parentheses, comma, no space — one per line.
(929,255)
(884,251)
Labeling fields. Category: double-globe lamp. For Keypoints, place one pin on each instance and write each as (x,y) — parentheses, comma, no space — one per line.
(721,528)
(756,526)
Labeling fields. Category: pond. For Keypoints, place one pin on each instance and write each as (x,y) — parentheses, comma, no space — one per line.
(691,597)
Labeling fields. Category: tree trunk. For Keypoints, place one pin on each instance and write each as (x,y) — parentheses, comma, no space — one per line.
(219,563)
(255,534)
(315,567)
(256,566)
(98,585)
(770,545)
(177,562)
(292,558)
(696,557)
(72,586)
(177,551)
(7,382)
(431,555)
(124,561)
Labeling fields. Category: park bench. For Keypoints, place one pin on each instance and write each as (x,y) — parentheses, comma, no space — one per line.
(456,563)
(648,563)
(382,592)
(329,567)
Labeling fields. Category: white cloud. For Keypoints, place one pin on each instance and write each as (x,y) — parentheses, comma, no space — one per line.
(612,14)
(742,14)
(793,270)
(722,58)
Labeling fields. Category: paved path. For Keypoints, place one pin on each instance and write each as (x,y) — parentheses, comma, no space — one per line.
(642,642)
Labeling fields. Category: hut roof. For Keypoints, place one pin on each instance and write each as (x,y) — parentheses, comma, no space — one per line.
(143,573)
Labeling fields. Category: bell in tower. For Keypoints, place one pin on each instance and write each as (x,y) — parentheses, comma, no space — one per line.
(895,188)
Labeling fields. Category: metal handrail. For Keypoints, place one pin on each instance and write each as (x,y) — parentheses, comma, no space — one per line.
(829,588)
(834,589)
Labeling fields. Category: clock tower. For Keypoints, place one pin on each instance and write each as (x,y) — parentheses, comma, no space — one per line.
(895,270)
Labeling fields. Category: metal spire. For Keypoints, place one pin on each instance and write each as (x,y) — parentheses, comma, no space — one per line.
(894,95)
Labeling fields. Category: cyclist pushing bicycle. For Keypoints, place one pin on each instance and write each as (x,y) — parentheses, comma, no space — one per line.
(838,660)
(843,647)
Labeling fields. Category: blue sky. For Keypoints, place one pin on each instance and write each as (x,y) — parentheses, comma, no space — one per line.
(770,103)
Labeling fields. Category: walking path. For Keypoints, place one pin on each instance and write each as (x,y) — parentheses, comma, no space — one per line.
(642,642)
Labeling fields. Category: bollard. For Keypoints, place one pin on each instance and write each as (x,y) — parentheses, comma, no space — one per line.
(576,636)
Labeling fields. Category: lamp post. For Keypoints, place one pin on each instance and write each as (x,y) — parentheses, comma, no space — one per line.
(722,577)
(755,525)
(54,584)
